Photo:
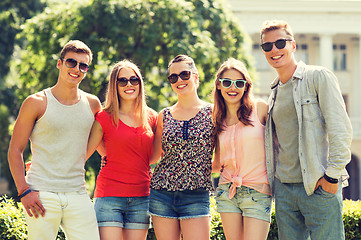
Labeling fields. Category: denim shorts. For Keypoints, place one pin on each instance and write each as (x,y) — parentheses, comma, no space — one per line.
(179,204)
(246,201)
(124,212)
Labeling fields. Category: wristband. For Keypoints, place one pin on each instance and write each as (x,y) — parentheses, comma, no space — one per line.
(24,194)
(23,191)
(330,179)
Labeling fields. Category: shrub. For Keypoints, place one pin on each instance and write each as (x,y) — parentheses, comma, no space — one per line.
(12,220)
(13,226)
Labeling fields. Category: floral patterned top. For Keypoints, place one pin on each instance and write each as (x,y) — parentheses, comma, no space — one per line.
(188,146)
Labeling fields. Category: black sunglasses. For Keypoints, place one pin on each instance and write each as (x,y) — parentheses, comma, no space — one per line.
(72,63)
(124,81)
(184,75)
(280,44)
(239,83)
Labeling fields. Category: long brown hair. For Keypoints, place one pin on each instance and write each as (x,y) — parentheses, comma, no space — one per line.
(220,110)
(113,102)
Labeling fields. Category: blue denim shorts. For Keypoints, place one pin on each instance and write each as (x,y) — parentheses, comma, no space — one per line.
(179,204)
(124,212)
(246,201)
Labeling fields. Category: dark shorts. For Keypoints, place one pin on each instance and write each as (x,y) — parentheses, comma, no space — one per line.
(179,204)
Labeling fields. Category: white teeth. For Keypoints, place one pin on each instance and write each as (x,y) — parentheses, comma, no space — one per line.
(276,57)
(73,75)
(181,86)
(129,91)
(232,94)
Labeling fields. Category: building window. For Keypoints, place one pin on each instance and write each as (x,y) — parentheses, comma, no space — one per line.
(261,62)
(301,53)
(339,57)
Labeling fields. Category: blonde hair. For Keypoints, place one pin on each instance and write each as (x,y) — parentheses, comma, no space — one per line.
(220,111)
(113,102)
(271,25)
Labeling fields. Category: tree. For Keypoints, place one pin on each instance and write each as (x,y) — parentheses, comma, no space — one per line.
(13,13)
(148,32)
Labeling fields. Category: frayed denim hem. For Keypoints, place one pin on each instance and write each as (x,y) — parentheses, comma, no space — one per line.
(179,218)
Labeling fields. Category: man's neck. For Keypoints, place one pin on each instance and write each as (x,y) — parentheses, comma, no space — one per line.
(286,72)
(66,95)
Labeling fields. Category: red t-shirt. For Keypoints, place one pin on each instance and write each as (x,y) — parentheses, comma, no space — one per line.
(126,173)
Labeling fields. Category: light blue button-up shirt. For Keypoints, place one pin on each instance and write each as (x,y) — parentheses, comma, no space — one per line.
(325,131)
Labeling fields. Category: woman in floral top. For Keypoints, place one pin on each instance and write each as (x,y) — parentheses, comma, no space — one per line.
(179,197)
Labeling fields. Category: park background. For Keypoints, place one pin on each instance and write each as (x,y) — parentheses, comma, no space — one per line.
(151,32)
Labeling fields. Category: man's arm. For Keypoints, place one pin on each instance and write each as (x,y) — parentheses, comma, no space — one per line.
(95,137)
(94,103)
(31,110)
(157,141)
(338,127)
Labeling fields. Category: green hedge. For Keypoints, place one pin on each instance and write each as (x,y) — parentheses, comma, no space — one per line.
(13,227)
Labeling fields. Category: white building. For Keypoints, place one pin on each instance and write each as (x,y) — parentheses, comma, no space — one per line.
(327,33)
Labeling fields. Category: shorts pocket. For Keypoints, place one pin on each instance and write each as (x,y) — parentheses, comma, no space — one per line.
(221,193)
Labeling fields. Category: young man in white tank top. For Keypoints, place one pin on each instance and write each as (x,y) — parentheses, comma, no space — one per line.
(57,121)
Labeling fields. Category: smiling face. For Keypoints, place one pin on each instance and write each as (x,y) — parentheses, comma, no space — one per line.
(231,95)
(72,76)
(279,58)
(128,92)
(183,86)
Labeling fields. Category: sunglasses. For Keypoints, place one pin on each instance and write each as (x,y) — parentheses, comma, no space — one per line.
(184,75)
(239,83)
(280,44)
(124,81)
(72,63)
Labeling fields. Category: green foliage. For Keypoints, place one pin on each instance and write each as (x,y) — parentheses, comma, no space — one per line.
(13,13)
(13,226)
(352,219)
(12,220)
(150,33)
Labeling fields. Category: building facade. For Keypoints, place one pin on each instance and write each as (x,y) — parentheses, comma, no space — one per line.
(327,33)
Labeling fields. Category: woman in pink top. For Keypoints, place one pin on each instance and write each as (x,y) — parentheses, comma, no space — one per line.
(243,197)
(126,125)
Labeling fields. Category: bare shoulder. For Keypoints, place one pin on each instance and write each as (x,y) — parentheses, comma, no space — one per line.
(161,113)
(262,104)
(33,107)
(94,103)
(262,110)
(35,102)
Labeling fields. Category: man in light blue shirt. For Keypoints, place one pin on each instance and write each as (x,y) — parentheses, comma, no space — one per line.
(308,141)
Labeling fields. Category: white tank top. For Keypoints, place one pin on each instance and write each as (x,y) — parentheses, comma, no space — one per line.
(58,145)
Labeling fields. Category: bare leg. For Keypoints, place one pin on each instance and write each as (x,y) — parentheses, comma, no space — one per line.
(166,228)
(135,234)
(232,225)
(110,233)
(196,228)
(255,229)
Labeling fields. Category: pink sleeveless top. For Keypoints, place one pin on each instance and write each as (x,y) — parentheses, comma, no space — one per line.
(242,156)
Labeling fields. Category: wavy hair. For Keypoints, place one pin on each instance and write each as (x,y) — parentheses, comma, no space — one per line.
(272,25)
(113,102)
(220,110)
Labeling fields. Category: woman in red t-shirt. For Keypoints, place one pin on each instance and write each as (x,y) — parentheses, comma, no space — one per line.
(126,125)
